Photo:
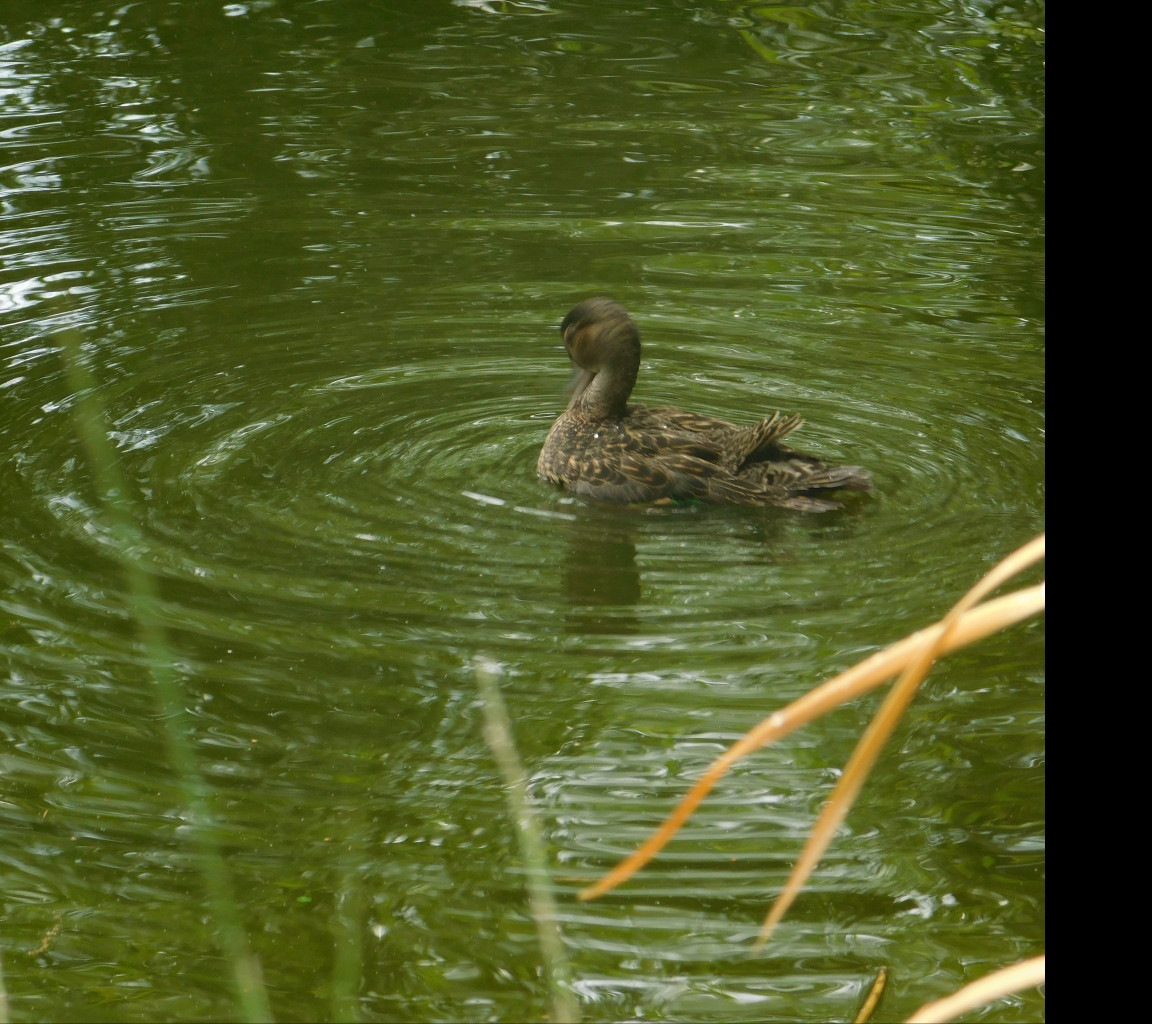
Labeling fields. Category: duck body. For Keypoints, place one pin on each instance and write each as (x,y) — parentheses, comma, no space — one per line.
(605,449)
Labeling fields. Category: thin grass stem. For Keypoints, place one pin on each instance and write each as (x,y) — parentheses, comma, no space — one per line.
(144,603)
(541,897)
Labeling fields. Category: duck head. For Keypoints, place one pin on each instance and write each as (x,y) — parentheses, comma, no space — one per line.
(604,342)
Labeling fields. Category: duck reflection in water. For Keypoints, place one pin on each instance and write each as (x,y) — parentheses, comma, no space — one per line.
(600,576)
(603,448)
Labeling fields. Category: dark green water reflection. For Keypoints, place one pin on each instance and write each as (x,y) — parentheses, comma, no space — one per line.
(315,254)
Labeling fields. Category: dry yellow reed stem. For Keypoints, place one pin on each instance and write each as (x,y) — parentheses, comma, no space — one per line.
(880,729)
(969,626)
(1026,974)
(873,999)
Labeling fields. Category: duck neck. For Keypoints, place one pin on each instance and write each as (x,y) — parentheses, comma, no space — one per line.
(603,394)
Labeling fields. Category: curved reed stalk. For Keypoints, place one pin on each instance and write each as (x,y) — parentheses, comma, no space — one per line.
(867,751)
(912,657)
(1026,974)
(972,625)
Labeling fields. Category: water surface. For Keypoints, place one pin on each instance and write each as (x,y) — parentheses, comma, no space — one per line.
(313,255)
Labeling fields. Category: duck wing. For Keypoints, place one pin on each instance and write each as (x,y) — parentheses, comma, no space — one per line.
(762,440)
(662,455)
(718,462)
(735,446)
(640,467)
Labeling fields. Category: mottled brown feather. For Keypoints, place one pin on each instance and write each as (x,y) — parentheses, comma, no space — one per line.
(602,448)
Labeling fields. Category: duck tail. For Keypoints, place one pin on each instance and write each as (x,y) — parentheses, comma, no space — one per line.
(836,478)
(806,495)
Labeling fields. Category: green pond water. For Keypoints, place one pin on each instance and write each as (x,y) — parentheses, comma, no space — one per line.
(305,262)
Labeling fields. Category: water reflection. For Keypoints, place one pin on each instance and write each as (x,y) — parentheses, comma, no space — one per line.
(600,575)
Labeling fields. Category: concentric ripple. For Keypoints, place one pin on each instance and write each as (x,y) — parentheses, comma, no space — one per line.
(411,486)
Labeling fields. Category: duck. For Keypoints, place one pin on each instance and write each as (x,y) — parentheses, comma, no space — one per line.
(606,450)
